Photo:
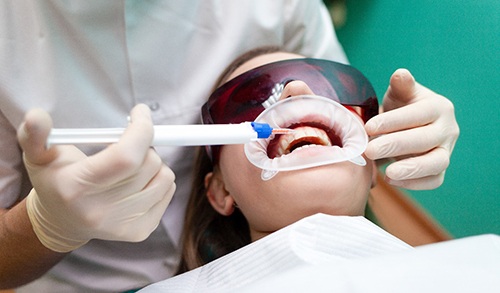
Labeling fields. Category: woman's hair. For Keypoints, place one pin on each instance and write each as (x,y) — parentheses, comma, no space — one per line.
(208,235)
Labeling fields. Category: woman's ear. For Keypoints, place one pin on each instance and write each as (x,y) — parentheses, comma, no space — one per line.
(217,195)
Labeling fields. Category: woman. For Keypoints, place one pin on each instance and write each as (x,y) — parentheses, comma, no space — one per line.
(230,205)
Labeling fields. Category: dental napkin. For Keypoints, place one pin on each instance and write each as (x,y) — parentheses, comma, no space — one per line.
(466,265)
(311,241)
(346,254)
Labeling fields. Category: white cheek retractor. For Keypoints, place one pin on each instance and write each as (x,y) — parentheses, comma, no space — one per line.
(309,109)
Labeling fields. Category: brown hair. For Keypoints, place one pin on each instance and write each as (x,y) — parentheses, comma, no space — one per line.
(208,235)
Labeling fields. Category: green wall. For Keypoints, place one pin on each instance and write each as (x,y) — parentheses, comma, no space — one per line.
(453,47)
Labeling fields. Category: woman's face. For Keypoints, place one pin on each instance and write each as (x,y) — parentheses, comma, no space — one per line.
(335,189)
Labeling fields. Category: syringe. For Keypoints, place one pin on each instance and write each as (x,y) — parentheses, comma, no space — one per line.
(172,135)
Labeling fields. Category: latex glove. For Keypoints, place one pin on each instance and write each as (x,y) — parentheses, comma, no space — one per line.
(418,128)
(119,193)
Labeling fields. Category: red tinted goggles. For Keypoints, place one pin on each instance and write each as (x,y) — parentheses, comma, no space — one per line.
(244,97)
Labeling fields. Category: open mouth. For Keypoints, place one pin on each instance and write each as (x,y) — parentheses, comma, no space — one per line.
(306,134)
(325,132)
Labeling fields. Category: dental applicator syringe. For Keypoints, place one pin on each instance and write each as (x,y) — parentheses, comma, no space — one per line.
(172,135)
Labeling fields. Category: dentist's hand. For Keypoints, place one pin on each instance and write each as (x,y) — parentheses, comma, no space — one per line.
(418,128)
(120,193)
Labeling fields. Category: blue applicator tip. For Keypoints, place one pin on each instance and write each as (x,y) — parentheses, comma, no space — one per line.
(263,130)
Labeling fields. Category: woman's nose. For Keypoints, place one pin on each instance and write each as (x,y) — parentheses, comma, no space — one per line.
(295,88)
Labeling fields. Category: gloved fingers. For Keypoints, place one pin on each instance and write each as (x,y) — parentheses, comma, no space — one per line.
(148,195)
(125,158)
(116,180)
(141,213)
(151,168)
(402,90)
(151,219)
(432,163)
(425,183)
(114,213)
(79,199)
(32,135)
(414,115)
(139,134)
(412,141)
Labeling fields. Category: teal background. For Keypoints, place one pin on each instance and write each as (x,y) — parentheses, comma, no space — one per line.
(452,47)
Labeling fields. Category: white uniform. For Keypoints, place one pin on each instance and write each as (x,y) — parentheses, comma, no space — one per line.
(88,62)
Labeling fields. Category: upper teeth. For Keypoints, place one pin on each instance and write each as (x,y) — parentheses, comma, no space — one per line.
(307,134)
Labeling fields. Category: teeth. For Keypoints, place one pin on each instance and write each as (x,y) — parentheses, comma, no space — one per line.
(302,137)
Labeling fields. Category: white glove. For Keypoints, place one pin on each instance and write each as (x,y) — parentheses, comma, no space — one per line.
(119,194)
(418,128)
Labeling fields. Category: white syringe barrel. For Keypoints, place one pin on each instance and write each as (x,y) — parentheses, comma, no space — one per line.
(164,135)
(208,134)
